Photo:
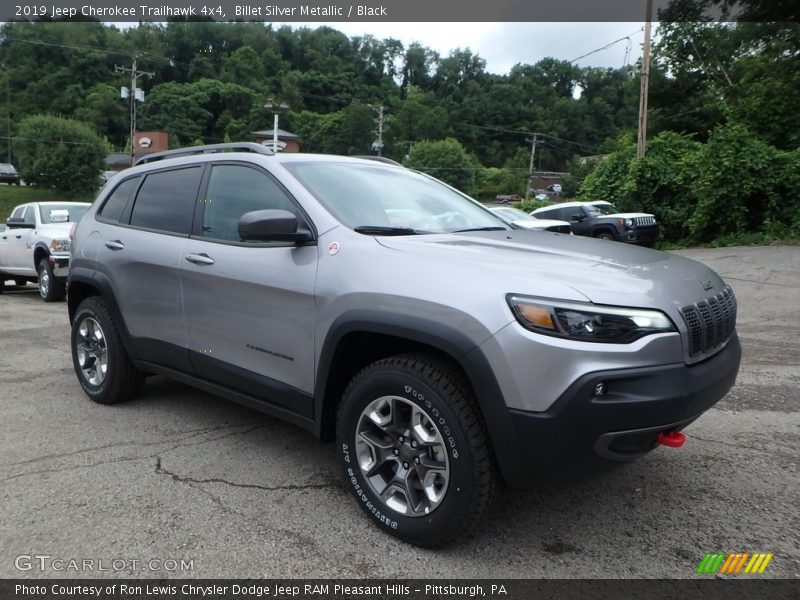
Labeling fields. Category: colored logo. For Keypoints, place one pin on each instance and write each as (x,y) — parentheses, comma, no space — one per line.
(734,564)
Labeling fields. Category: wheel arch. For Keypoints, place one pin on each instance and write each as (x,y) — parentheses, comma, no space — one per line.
(85,283)
(40,251)
(356,340)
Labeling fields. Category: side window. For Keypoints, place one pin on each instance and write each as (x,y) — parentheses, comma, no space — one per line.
(116,202)
(234,190)
(29,216)
(548,214)
(166,200)
(569,213)
(17,212)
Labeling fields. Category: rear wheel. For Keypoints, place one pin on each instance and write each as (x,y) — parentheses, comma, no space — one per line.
(50,289)
(414,449)
(101,363)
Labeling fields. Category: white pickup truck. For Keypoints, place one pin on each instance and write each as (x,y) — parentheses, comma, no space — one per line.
(34,246)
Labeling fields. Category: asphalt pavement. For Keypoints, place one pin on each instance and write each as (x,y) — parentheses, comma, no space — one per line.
(177,475)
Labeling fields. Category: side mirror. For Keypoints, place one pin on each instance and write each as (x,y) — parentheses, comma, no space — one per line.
(272,226)
(19,223)
(577,218)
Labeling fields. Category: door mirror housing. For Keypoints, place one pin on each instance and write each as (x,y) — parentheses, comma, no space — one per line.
(19,223)
(272,225)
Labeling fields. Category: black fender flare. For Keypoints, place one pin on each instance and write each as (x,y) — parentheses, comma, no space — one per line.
(451,342)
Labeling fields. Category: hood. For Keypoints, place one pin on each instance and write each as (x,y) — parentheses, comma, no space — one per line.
(540,263)
(625,216)
(55,230)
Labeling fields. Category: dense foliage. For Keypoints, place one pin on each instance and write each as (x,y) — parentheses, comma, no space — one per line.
(723,128)
(59,153)
(211,81)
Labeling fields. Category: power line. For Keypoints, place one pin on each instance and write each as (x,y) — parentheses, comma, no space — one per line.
(607,46)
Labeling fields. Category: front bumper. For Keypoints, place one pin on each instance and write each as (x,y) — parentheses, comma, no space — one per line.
(583,434)
(60,265)
(641,235)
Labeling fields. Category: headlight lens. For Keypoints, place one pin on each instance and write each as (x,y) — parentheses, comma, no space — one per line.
(587,322)
(628,222)
(59,245)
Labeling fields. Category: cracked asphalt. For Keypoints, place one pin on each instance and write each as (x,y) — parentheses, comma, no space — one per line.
(179,474)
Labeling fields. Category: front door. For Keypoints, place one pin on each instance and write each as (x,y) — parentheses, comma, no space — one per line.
(249,307)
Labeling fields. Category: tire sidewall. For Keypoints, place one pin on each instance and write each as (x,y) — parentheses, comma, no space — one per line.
(100,392)
(43,266)
(440,523)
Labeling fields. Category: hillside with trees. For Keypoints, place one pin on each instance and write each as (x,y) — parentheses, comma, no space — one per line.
(724,129)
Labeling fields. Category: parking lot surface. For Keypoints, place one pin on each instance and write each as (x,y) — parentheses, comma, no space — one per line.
(178,474)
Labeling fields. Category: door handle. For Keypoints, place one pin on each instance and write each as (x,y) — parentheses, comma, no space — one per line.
(19,237)
(200,259)
(114,245)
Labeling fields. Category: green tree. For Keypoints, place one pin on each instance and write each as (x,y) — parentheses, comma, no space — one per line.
(446,160)
(60,153)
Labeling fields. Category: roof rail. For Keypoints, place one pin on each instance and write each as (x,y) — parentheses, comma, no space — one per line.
(382,159)
(207,149)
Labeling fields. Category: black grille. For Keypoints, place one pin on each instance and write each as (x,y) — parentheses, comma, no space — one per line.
(710,322)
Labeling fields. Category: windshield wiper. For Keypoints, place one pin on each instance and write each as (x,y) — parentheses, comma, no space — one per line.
(492,228)
(382,230)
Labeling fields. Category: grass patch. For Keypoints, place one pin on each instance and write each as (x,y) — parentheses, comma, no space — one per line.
(13,195)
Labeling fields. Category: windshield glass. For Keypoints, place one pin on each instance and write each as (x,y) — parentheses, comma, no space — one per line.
(54,213)
(377,196)
(513,214)
(602,209)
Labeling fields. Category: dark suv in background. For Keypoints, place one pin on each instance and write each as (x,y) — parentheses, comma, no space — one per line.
(600,219)
(8,174)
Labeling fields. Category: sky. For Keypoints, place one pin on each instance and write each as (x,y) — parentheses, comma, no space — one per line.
(502,45)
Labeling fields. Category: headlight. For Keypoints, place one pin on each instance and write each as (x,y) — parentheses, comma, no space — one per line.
(628,222)
(59,245)
(587,322)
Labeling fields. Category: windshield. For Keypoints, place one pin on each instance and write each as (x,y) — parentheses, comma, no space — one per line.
(512,214)
(56,213)
(379,199)
(602,209)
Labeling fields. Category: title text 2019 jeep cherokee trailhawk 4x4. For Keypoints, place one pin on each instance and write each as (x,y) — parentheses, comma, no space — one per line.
(438,345)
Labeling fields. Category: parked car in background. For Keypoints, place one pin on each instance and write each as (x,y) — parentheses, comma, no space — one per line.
(35,245)
(601,219)
(522,219)
(8,174)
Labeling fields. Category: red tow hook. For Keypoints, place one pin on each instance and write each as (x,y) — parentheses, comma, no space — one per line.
(672,439)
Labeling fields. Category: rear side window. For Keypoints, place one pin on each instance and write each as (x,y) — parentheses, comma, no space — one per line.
(166,200)
(113,207)
(548,214)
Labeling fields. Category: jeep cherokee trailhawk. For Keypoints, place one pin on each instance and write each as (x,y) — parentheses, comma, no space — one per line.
(441,348)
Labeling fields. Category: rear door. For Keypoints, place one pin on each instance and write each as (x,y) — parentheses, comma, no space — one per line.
(139,252)
(249,307)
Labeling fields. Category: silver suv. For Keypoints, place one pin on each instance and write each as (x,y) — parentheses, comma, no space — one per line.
(442,348)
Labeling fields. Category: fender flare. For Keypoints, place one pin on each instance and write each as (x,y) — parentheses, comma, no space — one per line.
(451,342)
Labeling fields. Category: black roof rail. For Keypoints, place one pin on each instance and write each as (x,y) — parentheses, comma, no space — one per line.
(207,149)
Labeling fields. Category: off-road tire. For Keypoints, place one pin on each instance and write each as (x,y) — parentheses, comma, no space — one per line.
(50,289)
(121,380)
(440,391)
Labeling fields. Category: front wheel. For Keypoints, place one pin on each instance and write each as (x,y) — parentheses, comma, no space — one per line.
(50,289)
(101,363)
(414,449)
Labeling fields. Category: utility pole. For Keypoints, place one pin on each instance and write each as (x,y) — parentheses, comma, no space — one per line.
(377,145)
(8,114)
(530,168)
(641,143)
(276,106)
(133,96)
